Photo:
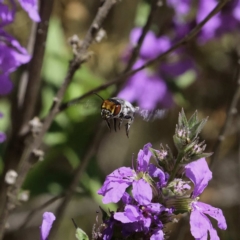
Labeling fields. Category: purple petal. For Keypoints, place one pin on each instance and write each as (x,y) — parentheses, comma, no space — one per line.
(2,137)
(199,173)
(6,15)
(48,219)
(13,42)
(177,68)
(209,29)
(126,198)
(108,232)
(5,85)
(146,222)
(144,158)
(116,184)
(236,11)
(113,192)
(12,54)
(146,89)
(215,213)
(181,8)
(31,7)
(200,225)
(142,192)
(155,208)
(130,214)
(129,228)
(157,172)
(152,46)
(153,90)
(158,235)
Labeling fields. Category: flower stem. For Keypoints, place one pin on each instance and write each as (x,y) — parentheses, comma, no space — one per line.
(179,158)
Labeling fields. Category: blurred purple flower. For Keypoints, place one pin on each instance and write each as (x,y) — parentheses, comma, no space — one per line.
(31,7)
(119,180)
(209,29)
(199,173)
(230,17)
(181,8)
(178,66)
(6,14)
(147,90)
(2,135)
(48,219)
(152,46)
(12,55)
(236,10)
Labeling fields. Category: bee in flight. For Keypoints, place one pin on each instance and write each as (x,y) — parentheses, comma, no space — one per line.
(122,110)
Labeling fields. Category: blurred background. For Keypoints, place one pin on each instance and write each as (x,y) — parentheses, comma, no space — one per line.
(201,75)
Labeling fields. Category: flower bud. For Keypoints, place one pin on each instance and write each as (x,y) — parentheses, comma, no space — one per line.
(10,177)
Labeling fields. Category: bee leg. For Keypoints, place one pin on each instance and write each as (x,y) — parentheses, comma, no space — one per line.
(108,124)
(128,124)
(115,124)
(120,123)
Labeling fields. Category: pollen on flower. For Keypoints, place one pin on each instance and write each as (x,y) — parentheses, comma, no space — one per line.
(162,154)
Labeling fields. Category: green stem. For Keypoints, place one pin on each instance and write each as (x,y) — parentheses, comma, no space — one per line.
(179,158)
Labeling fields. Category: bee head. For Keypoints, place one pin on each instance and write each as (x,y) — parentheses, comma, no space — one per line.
(106,114)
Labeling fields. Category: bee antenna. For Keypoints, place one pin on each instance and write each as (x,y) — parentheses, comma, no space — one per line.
(98,95)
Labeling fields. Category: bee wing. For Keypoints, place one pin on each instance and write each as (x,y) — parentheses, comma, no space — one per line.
(151,115)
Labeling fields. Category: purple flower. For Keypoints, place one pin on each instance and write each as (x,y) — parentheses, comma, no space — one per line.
(119,180)
(108,231)
(6,15)
(147,90)
(199,173)
(209,29)
(236,10)
(48,219)
(2,135)
(140,215)
(12,55)
(178,66)
(152,46)
(181,8)
(31,7)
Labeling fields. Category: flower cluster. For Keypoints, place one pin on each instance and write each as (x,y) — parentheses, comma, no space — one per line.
(151,195)
(12,54)
(150,87)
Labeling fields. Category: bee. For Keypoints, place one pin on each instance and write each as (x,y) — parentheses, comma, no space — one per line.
(117,109)
(120,110)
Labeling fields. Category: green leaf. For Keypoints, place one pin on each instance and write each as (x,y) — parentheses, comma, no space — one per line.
(142,13)
(81,235)
(186,79)
(197,128)
(182,120)
(55,138)
(178,142)
(193,119)
(56,56)
(198,156)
